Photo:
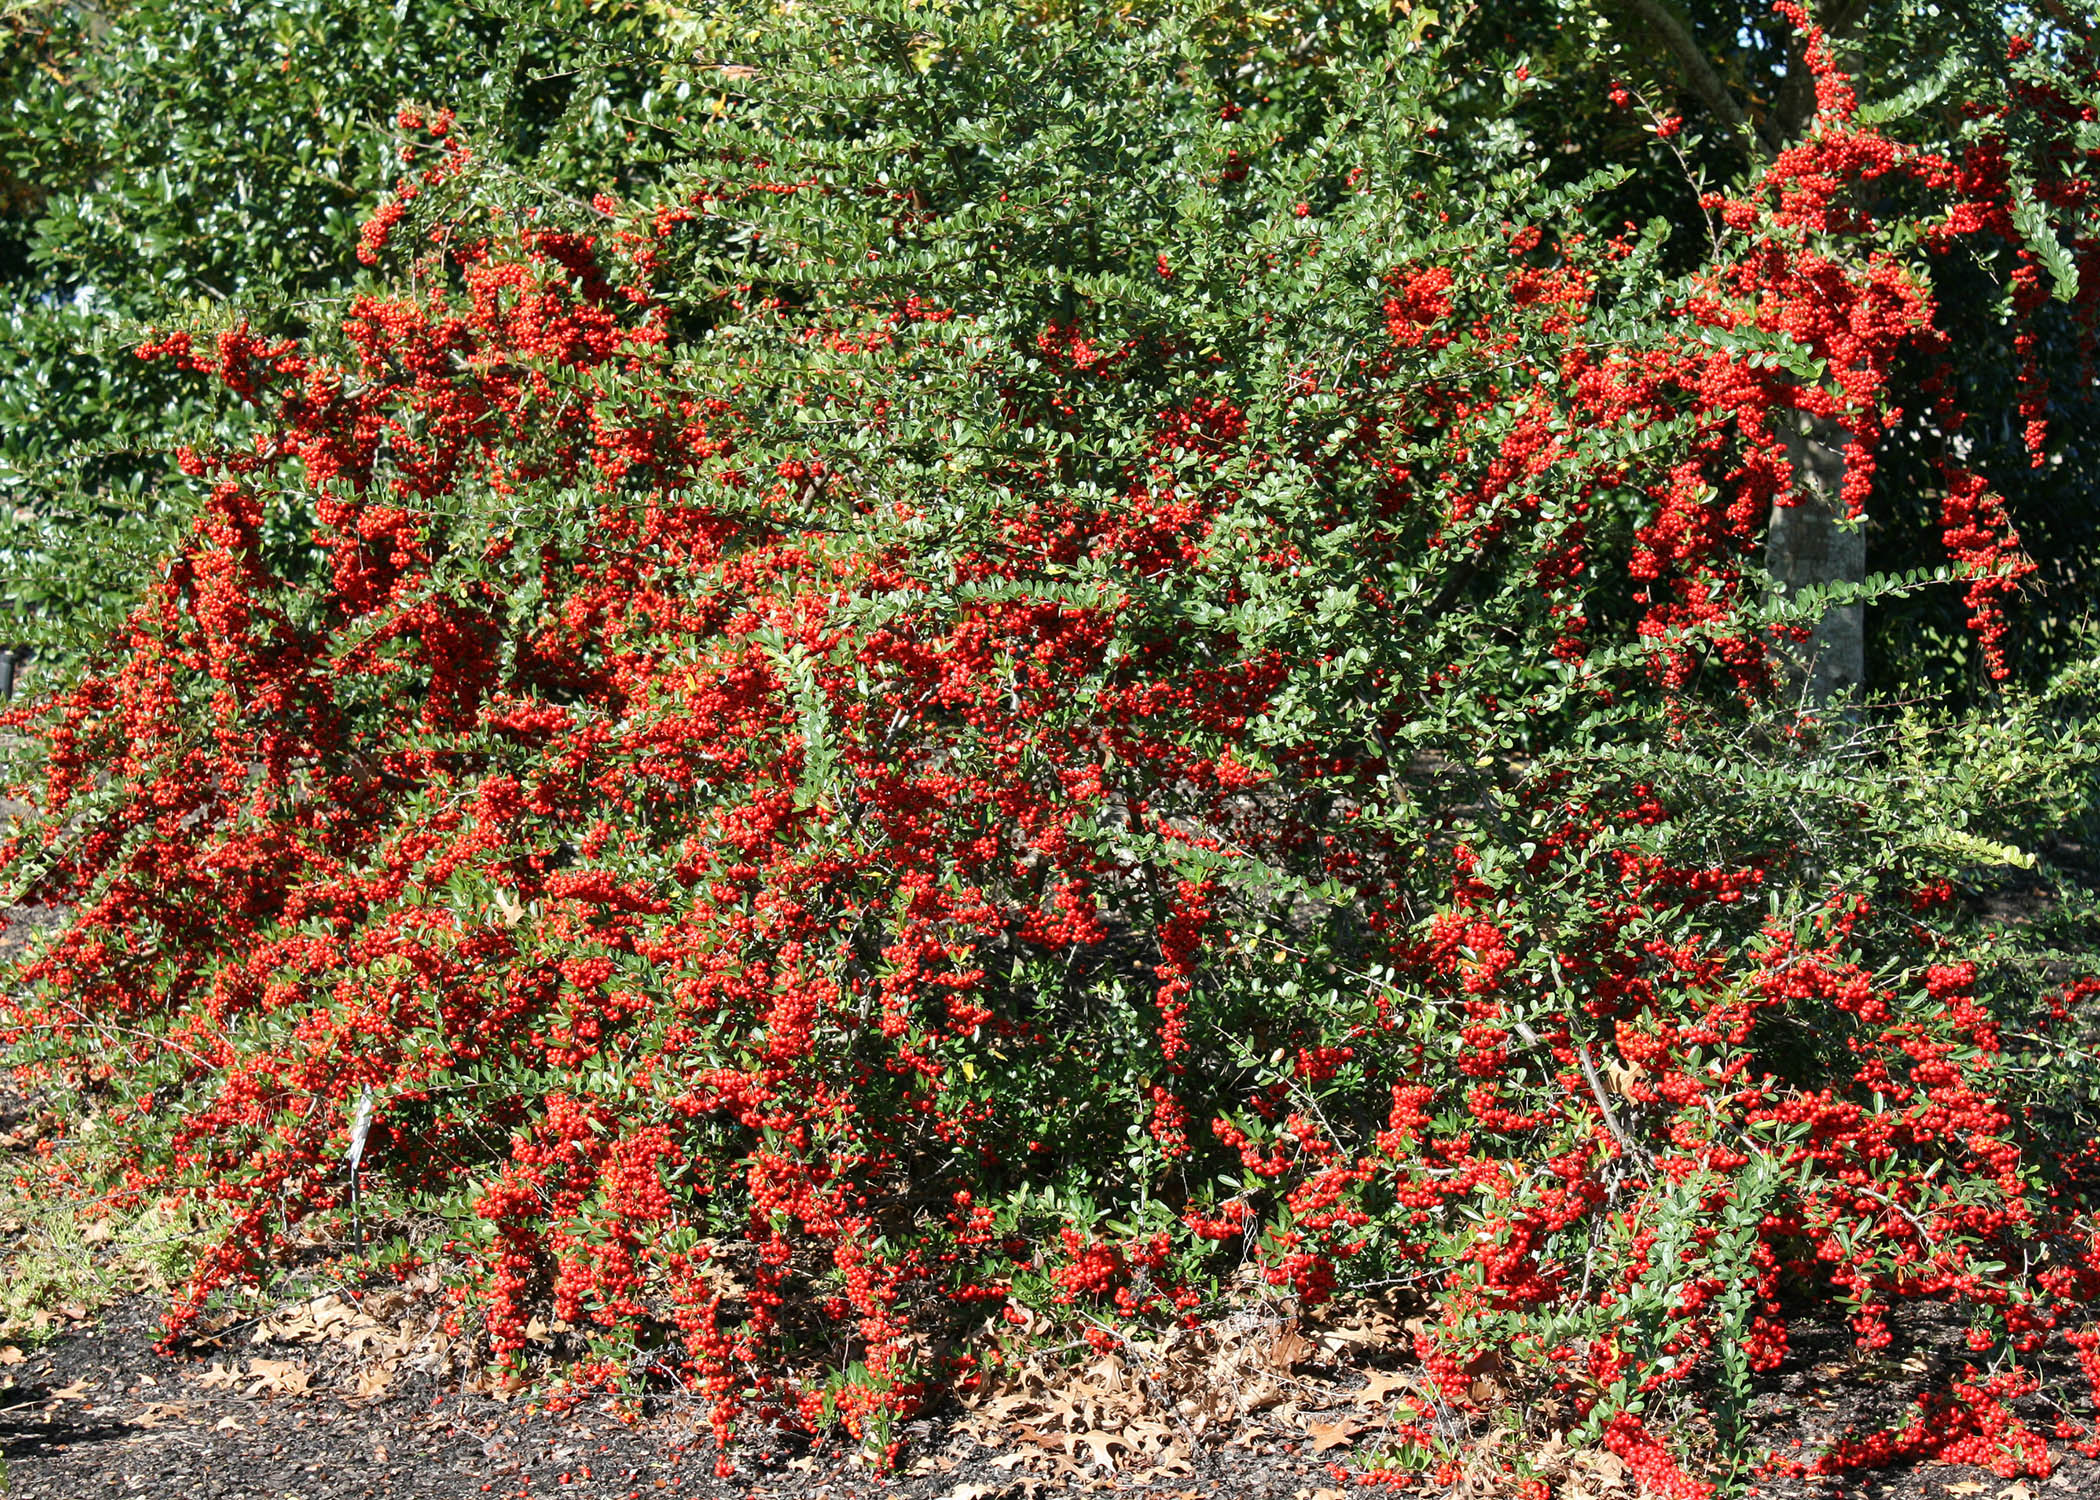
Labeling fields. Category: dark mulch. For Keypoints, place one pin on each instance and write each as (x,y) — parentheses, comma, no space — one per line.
(1827,1387)
(99,1412)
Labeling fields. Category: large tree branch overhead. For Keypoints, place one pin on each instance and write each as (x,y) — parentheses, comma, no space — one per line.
(1699,74)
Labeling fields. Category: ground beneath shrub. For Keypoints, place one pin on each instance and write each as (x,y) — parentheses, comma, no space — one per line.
(96,1411)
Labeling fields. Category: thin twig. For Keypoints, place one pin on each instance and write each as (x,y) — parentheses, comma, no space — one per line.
(1589,1071)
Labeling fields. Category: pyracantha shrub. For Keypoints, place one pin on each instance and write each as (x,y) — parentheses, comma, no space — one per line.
(1058,674)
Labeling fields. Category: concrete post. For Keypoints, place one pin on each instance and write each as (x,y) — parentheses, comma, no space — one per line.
(1811,542)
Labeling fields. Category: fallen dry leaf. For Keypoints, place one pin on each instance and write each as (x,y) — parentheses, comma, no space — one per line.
(1965,1487)
(499,1385)
(227,1424)
(158,1414)
(1102,1446)
(10,1355)
(1327,1435)
(218,1377)
(278,1377)
(1381,1385)
(1289,1349)
(77,1391)
(1606,1468)
(1172,1466)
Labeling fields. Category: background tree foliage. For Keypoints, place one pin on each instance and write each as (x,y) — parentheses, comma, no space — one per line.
(166,163)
